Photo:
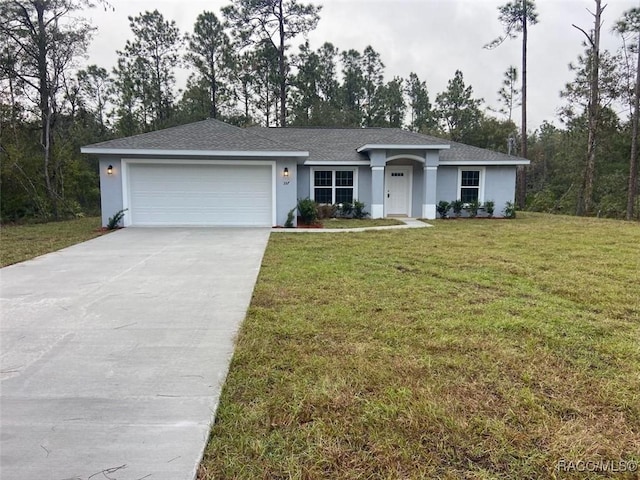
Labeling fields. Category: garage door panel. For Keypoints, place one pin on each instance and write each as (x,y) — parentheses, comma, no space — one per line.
(173,194)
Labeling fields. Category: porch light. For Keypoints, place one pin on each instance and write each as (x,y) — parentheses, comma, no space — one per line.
(285,173)
(110,170)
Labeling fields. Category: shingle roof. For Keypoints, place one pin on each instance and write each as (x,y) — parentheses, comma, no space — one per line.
(206,135)
(460,152)
(323,144)
(340,144)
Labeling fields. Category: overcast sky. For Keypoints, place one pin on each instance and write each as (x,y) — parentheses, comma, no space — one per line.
(433,38)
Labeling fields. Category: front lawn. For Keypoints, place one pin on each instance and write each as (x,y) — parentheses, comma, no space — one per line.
(477,349)
(22,242)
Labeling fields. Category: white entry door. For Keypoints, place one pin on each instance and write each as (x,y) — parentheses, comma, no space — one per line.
(398,191)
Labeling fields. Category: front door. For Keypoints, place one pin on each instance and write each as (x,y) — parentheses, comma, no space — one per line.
(398,191)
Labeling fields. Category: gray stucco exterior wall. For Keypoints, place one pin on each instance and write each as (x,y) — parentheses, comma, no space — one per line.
(499,185)
(417,190)
(304,189)
(110,188)
(364,186)
(447,189)
(286,189)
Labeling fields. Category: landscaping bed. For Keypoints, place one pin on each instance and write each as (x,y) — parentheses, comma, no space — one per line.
(340,223)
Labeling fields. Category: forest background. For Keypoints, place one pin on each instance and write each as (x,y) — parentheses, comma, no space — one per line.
(252,63)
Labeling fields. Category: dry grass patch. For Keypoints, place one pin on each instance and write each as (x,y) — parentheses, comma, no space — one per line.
(476,349)
(23,242)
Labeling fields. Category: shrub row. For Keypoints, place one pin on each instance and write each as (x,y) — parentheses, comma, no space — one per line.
(310,211)
(457,206)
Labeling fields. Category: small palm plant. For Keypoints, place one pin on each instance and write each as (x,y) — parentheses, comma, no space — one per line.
(490,207)
(457,206)
(443,208)
(114,222)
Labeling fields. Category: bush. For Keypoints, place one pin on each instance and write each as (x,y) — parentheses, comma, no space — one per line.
(543,201)
(473,208)
(358,210)
(443,208)
(114,222)
(345,209)
(457,206)
(326,211)
(308,210)
(290,217)
(509,210)
(490,207)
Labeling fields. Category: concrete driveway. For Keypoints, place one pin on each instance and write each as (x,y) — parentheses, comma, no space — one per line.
(113,352)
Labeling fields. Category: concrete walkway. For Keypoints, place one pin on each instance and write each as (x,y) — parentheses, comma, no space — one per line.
(408,223)
(113,352)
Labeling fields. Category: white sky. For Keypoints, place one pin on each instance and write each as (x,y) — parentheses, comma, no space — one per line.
(433,38)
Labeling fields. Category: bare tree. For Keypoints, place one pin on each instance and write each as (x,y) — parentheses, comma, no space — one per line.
(515,17)
(46,37)
(630,24)
(96,92)
(585,202)
(509,94)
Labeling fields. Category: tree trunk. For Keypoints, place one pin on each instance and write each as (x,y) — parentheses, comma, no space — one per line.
(267,87)
(282,69)
(160,116)
(45,107)
(521,170)
(12,99)
(245,92)
(633,161)
(594,116)
(214,94)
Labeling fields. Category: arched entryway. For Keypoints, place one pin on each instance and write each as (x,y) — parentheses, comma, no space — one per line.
(399,187)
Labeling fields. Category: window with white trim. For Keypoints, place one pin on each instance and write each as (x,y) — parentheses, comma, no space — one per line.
(332,186)
(470,185)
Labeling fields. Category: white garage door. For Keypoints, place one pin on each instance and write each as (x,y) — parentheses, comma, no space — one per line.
(208,194)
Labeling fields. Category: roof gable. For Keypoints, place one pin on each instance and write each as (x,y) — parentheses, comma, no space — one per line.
(206,135)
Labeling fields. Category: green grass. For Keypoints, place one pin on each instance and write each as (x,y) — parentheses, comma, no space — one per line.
(359,223)
(22,242)
(476,349)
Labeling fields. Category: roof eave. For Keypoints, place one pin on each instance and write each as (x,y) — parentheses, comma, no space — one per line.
(337,162)
(192,153)
(484,162)
(391,146)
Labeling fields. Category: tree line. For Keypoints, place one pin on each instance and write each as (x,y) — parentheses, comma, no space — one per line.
(243,69)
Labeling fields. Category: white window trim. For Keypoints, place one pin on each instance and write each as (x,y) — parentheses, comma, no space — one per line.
(312,193)
(482,171)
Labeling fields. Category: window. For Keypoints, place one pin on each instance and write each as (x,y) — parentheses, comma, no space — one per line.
(333,186)
(470,185)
